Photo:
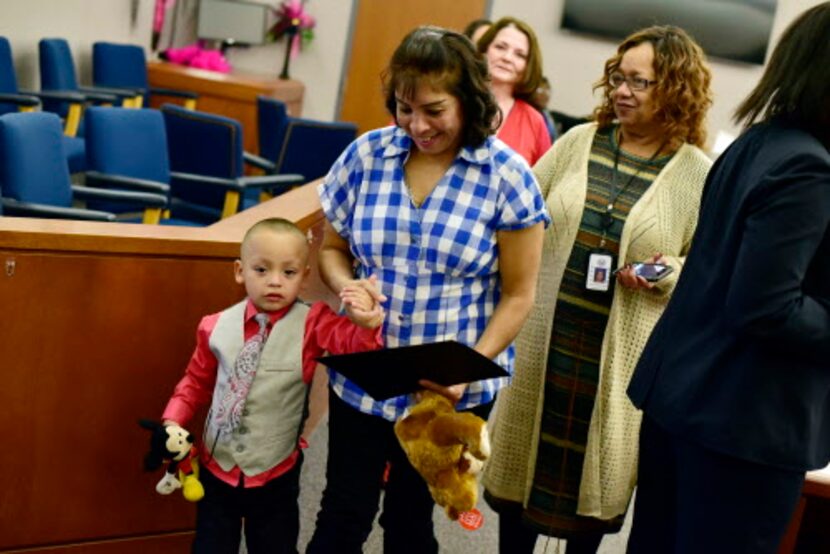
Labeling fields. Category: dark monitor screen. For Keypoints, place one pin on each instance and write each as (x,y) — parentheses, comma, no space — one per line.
(245,22)
(732,29)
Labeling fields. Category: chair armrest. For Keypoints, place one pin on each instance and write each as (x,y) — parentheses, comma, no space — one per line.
(100,97)
(259,161)
(28,209)
(20,99)
(59,95)
(227,184)
(280,182)
(98,179)
(118,93)
(240,184)
(143,198)
(174,92)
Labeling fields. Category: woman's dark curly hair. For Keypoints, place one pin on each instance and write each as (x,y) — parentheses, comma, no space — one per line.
(533,70)
(447,61)
(681,96)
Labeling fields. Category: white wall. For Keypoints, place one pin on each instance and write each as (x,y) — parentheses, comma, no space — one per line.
(80,22)
(573,62)
(319,65)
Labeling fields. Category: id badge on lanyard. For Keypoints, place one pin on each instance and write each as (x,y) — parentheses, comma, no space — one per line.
(599,271)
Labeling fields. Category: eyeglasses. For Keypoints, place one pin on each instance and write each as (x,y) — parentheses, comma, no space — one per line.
(634,83)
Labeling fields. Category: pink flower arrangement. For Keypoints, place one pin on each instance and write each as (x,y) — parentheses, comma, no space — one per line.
(294,21)
(193,55)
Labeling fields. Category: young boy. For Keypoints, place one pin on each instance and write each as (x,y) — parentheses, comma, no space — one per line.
(253,363)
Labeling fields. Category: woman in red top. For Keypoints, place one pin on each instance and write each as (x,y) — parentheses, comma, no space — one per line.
(515,64)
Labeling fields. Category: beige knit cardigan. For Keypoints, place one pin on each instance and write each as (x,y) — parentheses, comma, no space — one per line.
(662,220)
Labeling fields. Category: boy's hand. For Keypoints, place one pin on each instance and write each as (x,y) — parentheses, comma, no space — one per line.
(362,299)
(365,291)
(357,298)
(370,319)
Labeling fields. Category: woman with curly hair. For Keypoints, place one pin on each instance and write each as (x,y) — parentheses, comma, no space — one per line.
(623,189)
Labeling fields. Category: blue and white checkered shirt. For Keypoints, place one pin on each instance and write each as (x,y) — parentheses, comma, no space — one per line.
(438,263)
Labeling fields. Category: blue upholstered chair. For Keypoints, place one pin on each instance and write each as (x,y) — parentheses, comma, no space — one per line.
(57,72)
(311,147)
(13,99)
(297,146)
(272,121)
(127,150)
(207,163)
(34,175)
(125,66)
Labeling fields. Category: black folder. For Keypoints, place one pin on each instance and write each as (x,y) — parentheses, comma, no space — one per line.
(395,371)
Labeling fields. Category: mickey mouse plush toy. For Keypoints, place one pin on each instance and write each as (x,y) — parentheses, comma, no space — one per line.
(173,444)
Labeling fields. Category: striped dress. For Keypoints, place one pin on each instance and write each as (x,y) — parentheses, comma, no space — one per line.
(576,340)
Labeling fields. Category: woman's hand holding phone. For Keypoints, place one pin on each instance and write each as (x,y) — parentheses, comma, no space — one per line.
(627,276)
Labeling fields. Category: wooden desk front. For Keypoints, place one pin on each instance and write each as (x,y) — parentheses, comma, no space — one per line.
(97,326)
(229,94)
(808,532)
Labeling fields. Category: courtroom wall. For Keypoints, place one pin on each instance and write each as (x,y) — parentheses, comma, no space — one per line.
(80,22)
(572,62)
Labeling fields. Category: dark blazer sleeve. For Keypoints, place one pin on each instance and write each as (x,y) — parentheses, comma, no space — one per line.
(787,221)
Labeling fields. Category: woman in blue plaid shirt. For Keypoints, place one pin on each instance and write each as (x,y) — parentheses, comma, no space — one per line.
(450,222)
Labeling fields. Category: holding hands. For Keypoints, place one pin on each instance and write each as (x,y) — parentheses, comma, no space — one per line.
(362,299)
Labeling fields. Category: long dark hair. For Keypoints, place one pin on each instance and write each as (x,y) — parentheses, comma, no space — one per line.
(448,61)
(796,83)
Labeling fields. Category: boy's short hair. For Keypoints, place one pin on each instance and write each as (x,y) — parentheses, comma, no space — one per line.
(276,225)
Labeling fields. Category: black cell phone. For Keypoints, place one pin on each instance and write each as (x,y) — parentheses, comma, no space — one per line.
(651,272)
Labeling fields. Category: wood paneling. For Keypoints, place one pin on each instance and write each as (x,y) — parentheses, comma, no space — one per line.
(170,543)
(808,532)
(97,325)
(379,27)
(229,94)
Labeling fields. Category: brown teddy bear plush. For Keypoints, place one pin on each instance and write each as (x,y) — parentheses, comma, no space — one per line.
(447,448)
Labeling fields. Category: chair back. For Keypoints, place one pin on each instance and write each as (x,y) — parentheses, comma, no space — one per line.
(8,79)
(33,164)
(204,144)
(119,66)
(57,72)
(272,121)
(311,147)
(132,143)
(57,69)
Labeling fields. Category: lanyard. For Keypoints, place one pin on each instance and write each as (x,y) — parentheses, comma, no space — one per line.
(607,217)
